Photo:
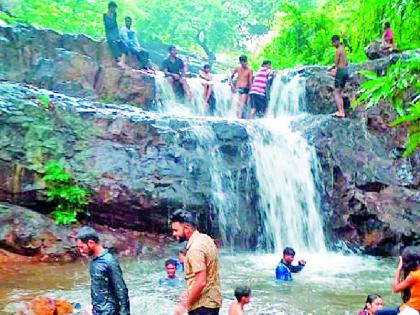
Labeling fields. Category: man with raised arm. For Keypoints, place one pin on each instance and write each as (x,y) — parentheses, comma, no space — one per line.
(201,267)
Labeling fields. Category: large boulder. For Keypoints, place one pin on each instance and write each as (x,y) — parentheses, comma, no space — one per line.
(370,193)
(72,64)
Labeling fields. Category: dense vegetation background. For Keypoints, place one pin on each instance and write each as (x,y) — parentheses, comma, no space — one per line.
(298,31)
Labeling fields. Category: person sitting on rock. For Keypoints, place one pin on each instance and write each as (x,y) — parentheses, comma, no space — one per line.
(373,303)
(173,67)
(171,279)
(285,268)
(243,296)
(116,45)
(128,36)
(388,38)
(206,81)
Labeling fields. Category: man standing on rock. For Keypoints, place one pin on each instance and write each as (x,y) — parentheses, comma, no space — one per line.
(339,69)
(201,268)
(243,84)
(109,293)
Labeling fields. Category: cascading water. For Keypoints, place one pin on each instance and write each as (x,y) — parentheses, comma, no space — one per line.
(284,168)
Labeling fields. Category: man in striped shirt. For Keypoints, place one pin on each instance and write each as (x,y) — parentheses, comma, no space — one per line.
(259,89)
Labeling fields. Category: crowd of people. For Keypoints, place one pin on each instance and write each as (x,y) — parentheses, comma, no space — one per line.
(249,90)
(199,262)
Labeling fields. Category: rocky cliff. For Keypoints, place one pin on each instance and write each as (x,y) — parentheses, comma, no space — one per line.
(139,166)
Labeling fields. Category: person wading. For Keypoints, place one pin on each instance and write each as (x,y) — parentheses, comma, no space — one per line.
(201,267)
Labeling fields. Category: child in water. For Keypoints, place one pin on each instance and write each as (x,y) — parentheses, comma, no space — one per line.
(243,296)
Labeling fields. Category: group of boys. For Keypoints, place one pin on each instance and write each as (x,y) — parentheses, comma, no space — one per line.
(199,260)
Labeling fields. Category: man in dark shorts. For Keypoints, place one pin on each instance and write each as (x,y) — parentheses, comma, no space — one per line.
(173,67)
(258,91)
(339,69)
(243,84)
(115,44)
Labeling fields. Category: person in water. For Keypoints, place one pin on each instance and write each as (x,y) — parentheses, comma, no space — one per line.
(116,45)
(388,37)
(243,84)
(373,303)
(340,71)
(201,267)
(409,270)
(208,95)
(171,279)
(285,268)
(174,68)
(258,92)
(108,290)
(128,36)
(243,296)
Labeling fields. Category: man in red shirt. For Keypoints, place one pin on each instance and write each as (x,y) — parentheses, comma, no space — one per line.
(259,90)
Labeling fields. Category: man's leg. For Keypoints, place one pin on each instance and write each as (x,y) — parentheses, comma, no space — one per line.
(251,114)
(186,88)
(338,97)
(242,101)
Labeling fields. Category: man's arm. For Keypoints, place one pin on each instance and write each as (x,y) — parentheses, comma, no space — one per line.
(250,78)
(120,289)
(124,34)
(136,41)
(200,280)
(296,269)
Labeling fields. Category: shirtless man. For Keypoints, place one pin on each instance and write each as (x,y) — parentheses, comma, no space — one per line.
(243,296)
(339,69)
(243,83)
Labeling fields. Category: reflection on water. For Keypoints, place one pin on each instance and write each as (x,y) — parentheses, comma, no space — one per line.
(330,284)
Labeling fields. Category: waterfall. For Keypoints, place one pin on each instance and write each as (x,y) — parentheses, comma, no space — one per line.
(285,169)
(285,165)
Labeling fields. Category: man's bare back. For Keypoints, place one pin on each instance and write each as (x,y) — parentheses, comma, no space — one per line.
(244,77)
(340,60)
(235,308)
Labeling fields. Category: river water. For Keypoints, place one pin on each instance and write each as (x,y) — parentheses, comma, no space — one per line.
(288,205)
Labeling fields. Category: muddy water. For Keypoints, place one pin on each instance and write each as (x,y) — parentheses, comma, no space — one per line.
(330,284)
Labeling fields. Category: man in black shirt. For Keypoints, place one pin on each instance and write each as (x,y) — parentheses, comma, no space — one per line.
(173,67)
(108,290)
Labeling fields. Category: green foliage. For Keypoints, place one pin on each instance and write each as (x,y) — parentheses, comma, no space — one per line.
(43,100)
(62,189)
(303,33)
(400,81)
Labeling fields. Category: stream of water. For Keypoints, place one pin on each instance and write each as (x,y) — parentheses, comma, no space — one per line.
(288,205)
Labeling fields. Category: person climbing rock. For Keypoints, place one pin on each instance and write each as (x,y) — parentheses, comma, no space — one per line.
(115,44)
(340,71)
(109,293)
(201,267)
(242,86)
(285,268)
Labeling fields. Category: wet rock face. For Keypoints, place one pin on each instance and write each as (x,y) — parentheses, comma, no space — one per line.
(138,166)
(72,64)
(46,306)
(370,193)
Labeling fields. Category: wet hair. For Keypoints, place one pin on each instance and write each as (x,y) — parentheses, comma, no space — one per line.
(243,58)
(86,234)
(112,4)
(206,67)
(184,217)
(289,251)
(171,47)
(265,62)
(387,24)
(128,18)
(171,262)
(242,291)
(371,298)
(335,38)
(411,261)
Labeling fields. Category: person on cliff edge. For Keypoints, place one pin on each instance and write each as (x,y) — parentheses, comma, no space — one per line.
(339,70)
(201,267)
(109,293)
